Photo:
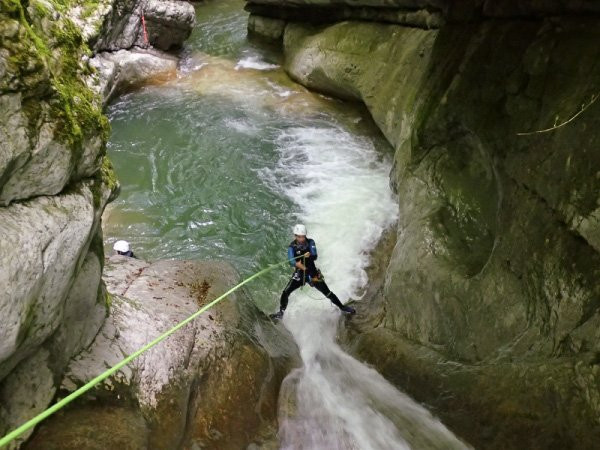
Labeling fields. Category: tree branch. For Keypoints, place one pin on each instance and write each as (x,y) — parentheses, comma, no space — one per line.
(555,127)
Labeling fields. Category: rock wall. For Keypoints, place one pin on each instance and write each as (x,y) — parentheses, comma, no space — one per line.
(417,13)
(54,184)
(490,306)
(55,179)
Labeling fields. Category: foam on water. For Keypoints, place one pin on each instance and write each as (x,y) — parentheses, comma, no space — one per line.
(254,62)
(340,185)
(241,126)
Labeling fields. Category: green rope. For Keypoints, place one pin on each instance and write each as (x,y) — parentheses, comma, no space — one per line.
(90,384)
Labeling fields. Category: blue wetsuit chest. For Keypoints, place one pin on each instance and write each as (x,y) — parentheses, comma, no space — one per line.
(296,249)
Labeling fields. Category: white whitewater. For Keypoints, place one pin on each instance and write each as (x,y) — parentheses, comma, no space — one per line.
(341,187)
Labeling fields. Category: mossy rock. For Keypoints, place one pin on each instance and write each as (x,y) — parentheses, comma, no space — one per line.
(45,66)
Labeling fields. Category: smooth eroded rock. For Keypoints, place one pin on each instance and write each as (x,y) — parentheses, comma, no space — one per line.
(214,383)
(50,252)
(124,70)
(43,243)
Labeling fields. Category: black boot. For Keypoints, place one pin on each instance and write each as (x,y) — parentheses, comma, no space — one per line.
(277,315)
(348,309)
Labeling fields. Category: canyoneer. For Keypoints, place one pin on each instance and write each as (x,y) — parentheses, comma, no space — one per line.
(302,254)
(123,248)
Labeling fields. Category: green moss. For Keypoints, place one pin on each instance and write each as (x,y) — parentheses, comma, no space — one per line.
(88,7)
(108,302)
(17,8)
(104,298)
(108,174)
(41,10)
(58,46)
(79,105)
(106,178)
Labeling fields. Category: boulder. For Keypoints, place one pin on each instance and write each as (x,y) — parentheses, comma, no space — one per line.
(214,383)
(266,27)
(123,70)
(25,393)
(127,55)
(168,24)
(43,244)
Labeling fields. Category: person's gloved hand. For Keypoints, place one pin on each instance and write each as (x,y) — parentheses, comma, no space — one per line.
(307,255)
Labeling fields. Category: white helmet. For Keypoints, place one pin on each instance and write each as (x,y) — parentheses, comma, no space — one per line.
(121,246)
(299,229)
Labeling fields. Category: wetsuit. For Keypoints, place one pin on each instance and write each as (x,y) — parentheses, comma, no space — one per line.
(312,276)
(128,253)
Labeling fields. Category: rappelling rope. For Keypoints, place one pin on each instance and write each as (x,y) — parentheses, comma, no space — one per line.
(90,384)
(144,28)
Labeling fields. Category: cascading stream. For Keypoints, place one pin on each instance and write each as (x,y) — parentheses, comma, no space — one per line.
(220,163)
(334,401)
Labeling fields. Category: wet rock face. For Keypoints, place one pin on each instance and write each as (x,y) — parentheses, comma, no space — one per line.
(168,24)
(266,15)
(537,8)
(266,27)
(497,260)
(212,384)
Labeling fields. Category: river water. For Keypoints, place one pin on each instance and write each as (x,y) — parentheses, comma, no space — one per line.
(219,164)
